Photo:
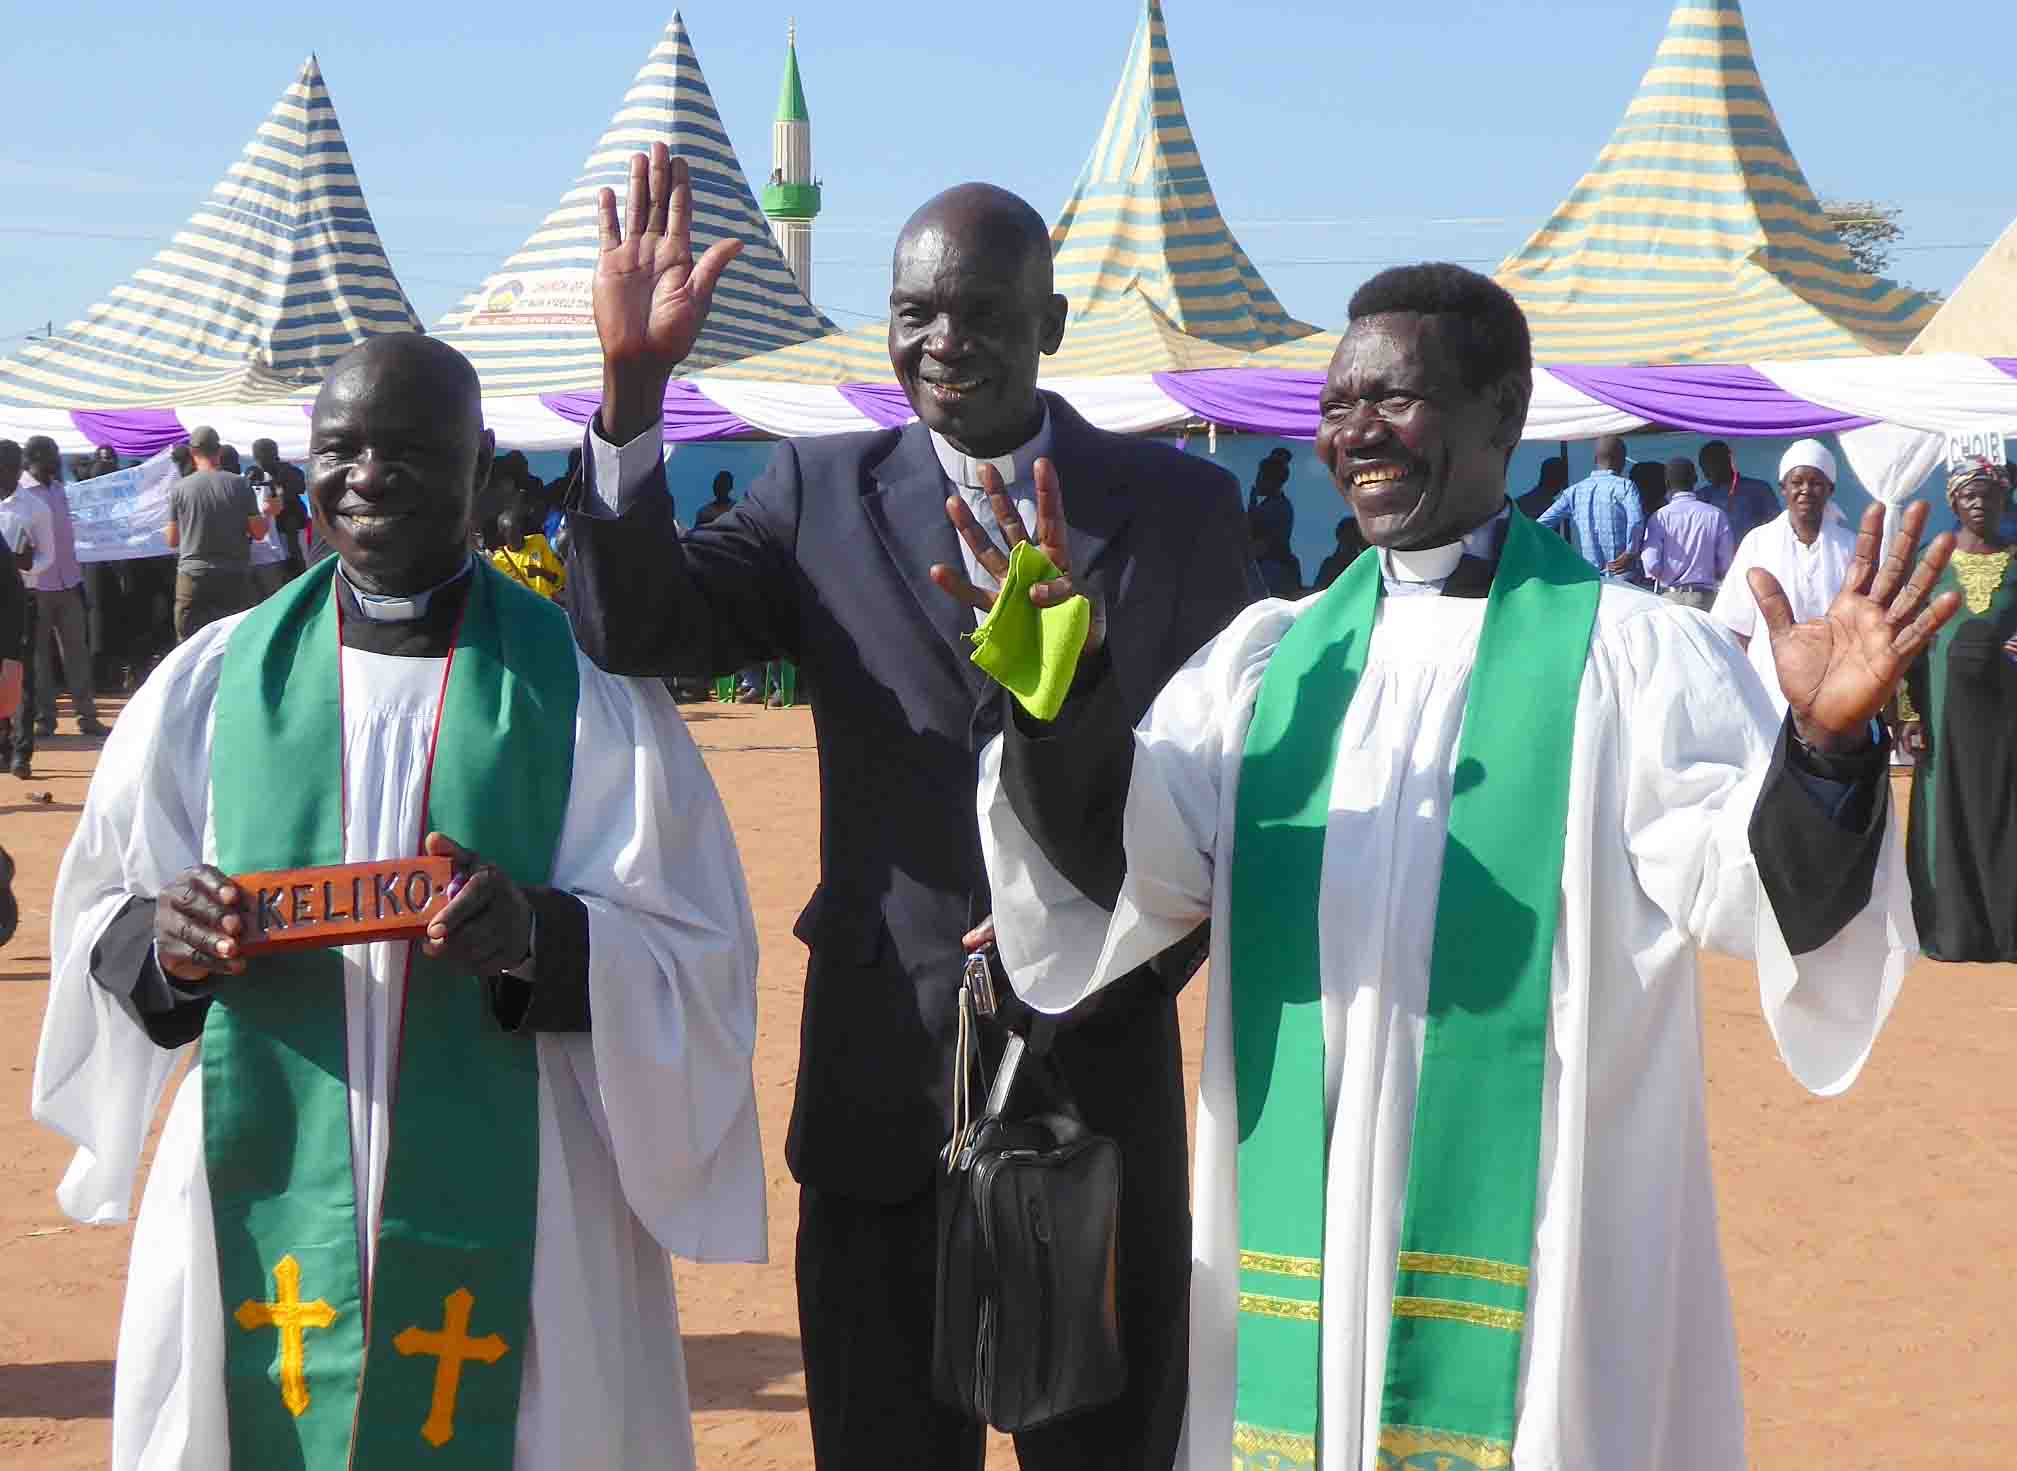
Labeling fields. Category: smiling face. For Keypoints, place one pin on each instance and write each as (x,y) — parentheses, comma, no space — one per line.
(396,452)
(1807,492)
(1979,503)
(971,313)
(1420,456)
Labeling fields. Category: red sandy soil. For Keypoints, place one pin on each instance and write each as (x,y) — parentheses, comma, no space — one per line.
(1867,1237)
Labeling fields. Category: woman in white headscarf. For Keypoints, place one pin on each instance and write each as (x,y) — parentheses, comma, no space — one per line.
(1807,549)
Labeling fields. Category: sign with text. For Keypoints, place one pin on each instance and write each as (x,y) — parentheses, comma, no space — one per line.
(123,515)
(556,298)
(1986,444)
(343,904)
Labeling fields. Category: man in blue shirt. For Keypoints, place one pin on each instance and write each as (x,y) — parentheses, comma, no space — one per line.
(1603,511)
(1747,501)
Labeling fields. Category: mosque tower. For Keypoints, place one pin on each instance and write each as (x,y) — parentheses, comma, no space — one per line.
(791,199)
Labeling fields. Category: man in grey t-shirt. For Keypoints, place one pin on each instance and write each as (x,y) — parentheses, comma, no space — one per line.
(213,521)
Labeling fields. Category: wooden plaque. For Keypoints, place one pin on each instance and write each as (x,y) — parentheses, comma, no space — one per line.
(343,904)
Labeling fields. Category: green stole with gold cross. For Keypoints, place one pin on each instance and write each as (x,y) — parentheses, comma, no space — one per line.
(419,1366)
(1459,1311)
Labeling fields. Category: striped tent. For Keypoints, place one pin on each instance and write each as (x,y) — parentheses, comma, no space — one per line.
(277,275)
(1143,217)
(529,327)
(1981,316)
(1156,281)
(1129,335)
(1695,238)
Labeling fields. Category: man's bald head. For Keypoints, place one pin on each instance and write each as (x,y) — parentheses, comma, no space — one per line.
(1611,452)
(983,216)
(397,453)
(972,310)
(409,363)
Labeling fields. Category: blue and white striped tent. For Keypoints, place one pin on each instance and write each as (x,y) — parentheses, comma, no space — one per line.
(277,275)
(529,328)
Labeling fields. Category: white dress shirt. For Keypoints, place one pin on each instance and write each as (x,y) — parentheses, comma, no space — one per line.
(626,466)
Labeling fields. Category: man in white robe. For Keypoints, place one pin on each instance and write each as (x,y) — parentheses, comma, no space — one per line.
(1807,548)
(633,973)
(1685,829)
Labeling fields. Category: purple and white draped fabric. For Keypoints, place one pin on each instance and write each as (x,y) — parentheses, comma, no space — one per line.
(1892,414)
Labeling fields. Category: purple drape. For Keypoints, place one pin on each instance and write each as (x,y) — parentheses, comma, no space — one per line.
(1708,400)
(135,433)
(690,415)
(882,402)
(1258,400)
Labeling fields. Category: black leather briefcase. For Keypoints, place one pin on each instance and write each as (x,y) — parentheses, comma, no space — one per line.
(1028,1328)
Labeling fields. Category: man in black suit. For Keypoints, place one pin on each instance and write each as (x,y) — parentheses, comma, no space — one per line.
(841,558)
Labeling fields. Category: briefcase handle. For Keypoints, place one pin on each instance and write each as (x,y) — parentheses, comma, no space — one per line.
(976,1002)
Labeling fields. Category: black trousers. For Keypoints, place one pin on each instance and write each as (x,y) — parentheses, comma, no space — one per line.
(17,736)
(867,1279)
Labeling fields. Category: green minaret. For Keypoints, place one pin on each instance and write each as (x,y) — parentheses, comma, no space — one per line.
(791,199)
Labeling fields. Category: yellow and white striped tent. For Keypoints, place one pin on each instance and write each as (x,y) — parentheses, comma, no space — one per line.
(1980,318)
(276,276)
(528,326)
(1156,280)
(1696,238)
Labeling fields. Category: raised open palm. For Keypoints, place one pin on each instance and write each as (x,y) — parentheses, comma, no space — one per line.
(651,295)
(1842,668)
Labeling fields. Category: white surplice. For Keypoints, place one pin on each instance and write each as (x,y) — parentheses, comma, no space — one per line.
(1630,1357)
(1811,573)
(648,1128)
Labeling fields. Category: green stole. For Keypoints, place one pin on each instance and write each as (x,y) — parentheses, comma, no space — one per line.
(1453,1358)
(423,1367)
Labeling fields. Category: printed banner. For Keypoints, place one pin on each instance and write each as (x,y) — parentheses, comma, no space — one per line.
(123,515)
(556,298)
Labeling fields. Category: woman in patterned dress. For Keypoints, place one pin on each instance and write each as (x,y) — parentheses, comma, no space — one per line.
(1958,718)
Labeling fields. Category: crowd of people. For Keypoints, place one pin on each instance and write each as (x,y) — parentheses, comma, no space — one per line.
(1451,835)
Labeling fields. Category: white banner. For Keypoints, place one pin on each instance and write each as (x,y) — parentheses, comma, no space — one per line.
(561,297)
(1986,444)
(123,515)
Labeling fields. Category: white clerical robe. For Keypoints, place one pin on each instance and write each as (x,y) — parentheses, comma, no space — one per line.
(1811,574)
(648,1128)
(1630,1357)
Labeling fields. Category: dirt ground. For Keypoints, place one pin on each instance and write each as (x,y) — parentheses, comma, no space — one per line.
(1867,1237)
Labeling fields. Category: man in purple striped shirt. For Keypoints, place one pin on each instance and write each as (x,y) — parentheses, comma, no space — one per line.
(1689,545)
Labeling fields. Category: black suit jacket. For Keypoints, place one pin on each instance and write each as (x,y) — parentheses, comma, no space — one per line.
(825,562)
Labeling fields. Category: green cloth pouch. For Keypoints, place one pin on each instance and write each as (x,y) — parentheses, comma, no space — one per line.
(1032,652)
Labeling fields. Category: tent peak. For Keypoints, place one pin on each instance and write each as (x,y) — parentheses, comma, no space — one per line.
(276,275)
(1696,237)
(528,326)
(1142,216)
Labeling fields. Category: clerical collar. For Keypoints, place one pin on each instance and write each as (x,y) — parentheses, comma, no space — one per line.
(1433,565)
(377,608)
(1015,467)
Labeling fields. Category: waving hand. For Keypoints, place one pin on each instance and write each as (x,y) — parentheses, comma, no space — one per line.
(651,295)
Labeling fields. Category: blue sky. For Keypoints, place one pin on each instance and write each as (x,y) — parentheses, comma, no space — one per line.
(1339,138)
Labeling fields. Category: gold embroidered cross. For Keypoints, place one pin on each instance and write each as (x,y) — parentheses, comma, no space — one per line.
(451,1346)
(293,1318)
